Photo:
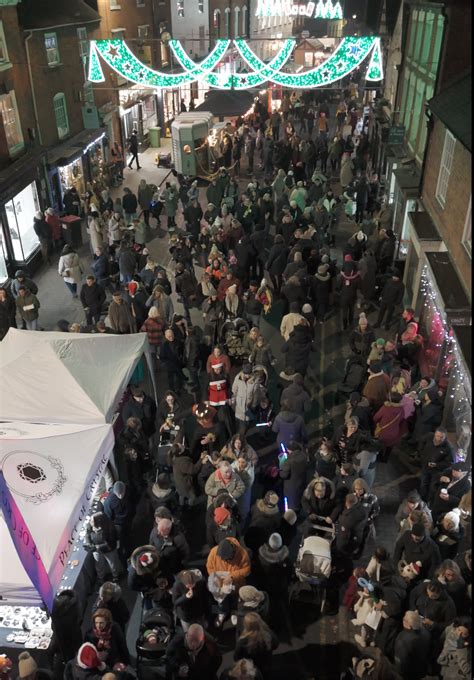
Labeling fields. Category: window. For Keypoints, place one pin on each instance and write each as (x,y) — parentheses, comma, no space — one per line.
(60,112)
(467,236)
(52,51)
(413,27)
(419,35)
(83,43)
(202,35)
(180,7)
(114,4)
(140,3)
(437,45)
(227,22)
(11,123)
(445,168)
(88,93)
(164,54)
(217,22)
(4,60)
(20,212)
(236,22)
(143,32)
(426,46)
(244,20)
(201,6)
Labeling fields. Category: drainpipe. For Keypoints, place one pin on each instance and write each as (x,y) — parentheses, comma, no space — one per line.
(35,108)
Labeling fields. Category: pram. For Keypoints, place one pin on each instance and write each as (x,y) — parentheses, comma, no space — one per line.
(313,565)
(232,336)
(156,631)
(355,372)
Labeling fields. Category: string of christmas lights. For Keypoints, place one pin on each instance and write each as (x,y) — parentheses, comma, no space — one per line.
(350,53)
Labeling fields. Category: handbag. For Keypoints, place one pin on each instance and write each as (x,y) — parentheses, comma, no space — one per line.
(379,428)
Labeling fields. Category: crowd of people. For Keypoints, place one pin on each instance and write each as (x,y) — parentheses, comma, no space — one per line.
(229,445)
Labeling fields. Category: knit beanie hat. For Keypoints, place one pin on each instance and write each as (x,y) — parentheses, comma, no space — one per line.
(380,342)
(347,258)
(226,550)
(275,541)
(322,269)
(250,596)
(271,499)
(146,559)
(26,665)
(418,529)
(88,657)
(375,366)
(307,309)
(221,514)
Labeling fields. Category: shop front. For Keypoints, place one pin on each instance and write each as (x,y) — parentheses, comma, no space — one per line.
(422,237)
(138,111)
(443,308)
(81,162)
(22,194)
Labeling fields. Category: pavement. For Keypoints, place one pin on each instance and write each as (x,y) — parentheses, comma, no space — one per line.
(323,646)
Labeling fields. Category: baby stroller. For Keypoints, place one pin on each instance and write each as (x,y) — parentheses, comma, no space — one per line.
(313,565)
(355,373)
(232,336)
(156,631)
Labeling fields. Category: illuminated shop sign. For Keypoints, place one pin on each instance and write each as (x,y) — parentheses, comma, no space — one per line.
(320,10)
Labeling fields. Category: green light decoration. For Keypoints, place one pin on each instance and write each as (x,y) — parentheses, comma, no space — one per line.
(121,59)
(350,53)
(239,81)
(326,10)
(375,68)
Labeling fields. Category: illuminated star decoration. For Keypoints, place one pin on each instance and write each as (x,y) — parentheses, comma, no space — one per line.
(349,54)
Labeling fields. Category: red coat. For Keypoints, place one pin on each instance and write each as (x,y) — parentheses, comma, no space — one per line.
(56,226)
(218,392)
(390,417)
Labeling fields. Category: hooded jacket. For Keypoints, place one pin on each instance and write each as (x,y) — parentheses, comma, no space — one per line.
(293,472)
(140,577)
(455,661)
(289,426)
(321,288)
(324,507)
(247,394)
(299,399)
(348,284)
(352,522)
(441,611)
(234,488)
(239,567)
(376,389)
(361,343)
(172,549)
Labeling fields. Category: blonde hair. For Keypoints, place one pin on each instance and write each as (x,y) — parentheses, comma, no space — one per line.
(255,631)
(153,313)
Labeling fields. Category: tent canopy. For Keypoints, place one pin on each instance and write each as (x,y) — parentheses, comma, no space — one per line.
(51,473)
(65,377)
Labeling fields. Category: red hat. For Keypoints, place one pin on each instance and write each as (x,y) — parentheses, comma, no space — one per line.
(88,657)
(132,287)
(221,514)
(347,258)
(416,566)
(146,559)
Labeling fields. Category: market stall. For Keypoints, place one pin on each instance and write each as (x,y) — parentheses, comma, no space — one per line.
(50,472)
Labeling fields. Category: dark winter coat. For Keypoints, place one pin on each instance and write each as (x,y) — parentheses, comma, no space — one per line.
(352,522)
(442,611)
(101,540)
(299,399)
(260,655)
(277,259)
(7,315)
(117,509)
(93,297)
(361,343)
(392,293)
(324,507)
(289,427)
(145,412)
(117,651)
(427,552)
(321,289)
(264,521)
(298,348)
(173,550)
(202,665)
(190,609)
(293,472)
(66,619)
(442,455)
(348,285)
(412,653)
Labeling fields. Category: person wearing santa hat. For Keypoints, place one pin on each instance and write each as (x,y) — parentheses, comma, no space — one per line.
(86,666)
(218,357)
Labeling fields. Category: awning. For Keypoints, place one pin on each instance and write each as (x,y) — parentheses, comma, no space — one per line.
(424,226)
(407,179)
(226,103)
(66,153)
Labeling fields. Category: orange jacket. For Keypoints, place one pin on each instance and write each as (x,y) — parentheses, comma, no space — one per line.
(239,568)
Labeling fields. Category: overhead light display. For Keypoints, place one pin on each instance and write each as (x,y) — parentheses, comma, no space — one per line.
(350,54)
(324,9)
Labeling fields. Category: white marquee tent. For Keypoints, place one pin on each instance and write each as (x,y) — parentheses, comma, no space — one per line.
(58,397)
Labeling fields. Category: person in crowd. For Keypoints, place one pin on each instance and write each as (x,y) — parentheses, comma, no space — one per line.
(92,298)
(193,655)
(107,637)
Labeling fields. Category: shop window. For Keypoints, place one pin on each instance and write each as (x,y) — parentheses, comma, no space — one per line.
(52,49)
(118,33)
(4,60)
(83,43)
(3,261)
(180,8)
(20,213)
(445,168)
(60,112)
(11,123)
(467,235)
